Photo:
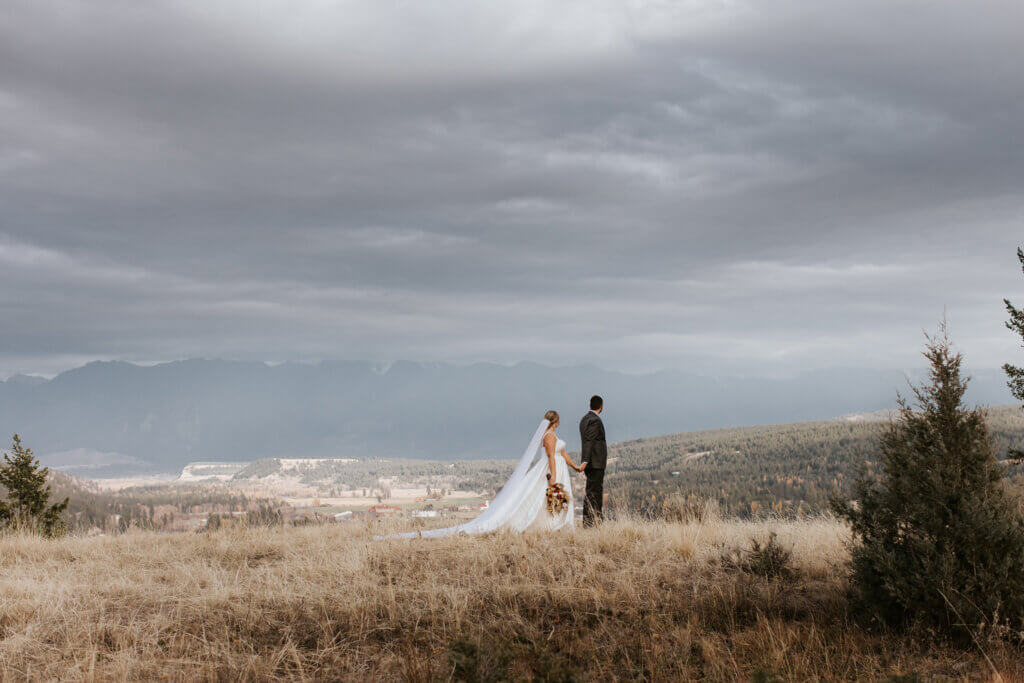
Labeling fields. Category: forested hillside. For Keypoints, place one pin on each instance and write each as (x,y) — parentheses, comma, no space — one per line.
(787,469)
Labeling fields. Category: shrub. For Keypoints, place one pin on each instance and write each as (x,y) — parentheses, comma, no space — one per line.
(938,539)
(769,560)
(28,493)
(1013,372)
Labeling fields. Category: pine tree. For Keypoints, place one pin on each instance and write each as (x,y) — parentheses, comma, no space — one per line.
(939,540)
(1014,373)
(28,493)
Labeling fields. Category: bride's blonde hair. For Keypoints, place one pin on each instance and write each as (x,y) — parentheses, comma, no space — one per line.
(551,416)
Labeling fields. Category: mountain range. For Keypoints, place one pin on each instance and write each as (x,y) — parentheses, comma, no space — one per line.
(115,418)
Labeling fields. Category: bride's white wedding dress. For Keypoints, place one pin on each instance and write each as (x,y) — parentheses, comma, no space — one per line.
(522,502)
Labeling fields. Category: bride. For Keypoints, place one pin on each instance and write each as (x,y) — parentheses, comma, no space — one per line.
(523,502)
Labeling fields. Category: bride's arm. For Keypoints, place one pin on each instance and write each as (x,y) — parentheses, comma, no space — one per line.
(569,462)
(549,446)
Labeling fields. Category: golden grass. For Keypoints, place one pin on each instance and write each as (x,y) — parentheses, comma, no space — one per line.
(629,600)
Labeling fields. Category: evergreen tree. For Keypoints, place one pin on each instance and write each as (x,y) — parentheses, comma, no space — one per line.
(1016,374)
(939,538)
(28,493)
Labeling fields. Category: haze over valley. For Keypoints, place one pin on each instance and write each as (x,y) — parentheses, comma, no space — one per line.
(109,419)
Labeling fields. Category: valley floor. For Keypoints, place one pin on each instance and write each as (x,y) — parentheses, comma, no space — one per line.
(630,600)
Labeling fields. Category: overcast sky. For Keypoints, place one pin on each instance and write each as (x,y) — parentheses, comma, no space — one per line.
(731,187)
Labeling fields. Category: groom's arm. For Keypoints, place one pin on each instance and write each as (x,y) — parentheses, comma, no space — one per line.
(587,437)
(583,444)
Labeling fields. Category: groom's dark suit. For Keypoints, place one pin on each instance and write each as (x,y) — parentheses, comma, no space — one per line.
(594,455)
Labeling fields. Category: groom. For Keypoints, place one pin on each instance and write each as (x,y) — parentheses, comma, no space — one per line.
(594,456)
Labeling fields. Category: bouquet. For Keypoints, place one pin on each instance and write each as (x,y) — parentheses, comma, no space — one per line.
(558,500)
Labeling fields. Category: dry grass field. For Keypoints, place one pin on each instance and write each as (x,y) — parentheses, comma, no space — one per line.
(628,601)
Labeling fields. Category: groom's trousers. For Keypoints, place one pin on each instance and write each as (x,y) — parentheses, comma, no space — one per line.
(593,501)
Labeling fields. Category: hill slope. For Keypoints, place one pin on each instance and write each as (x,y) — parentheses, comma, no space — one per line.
(779,468)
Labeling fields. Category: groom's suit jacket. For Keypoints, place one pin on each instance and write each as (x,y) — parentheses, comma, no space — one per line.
(594,451)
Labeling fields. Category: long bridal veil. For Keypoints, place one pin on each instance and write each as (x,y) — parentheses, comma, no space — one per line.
(503,507)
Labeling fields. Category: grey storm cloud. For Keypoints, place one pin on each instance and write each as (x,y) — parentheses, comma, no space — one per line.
(725,186)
